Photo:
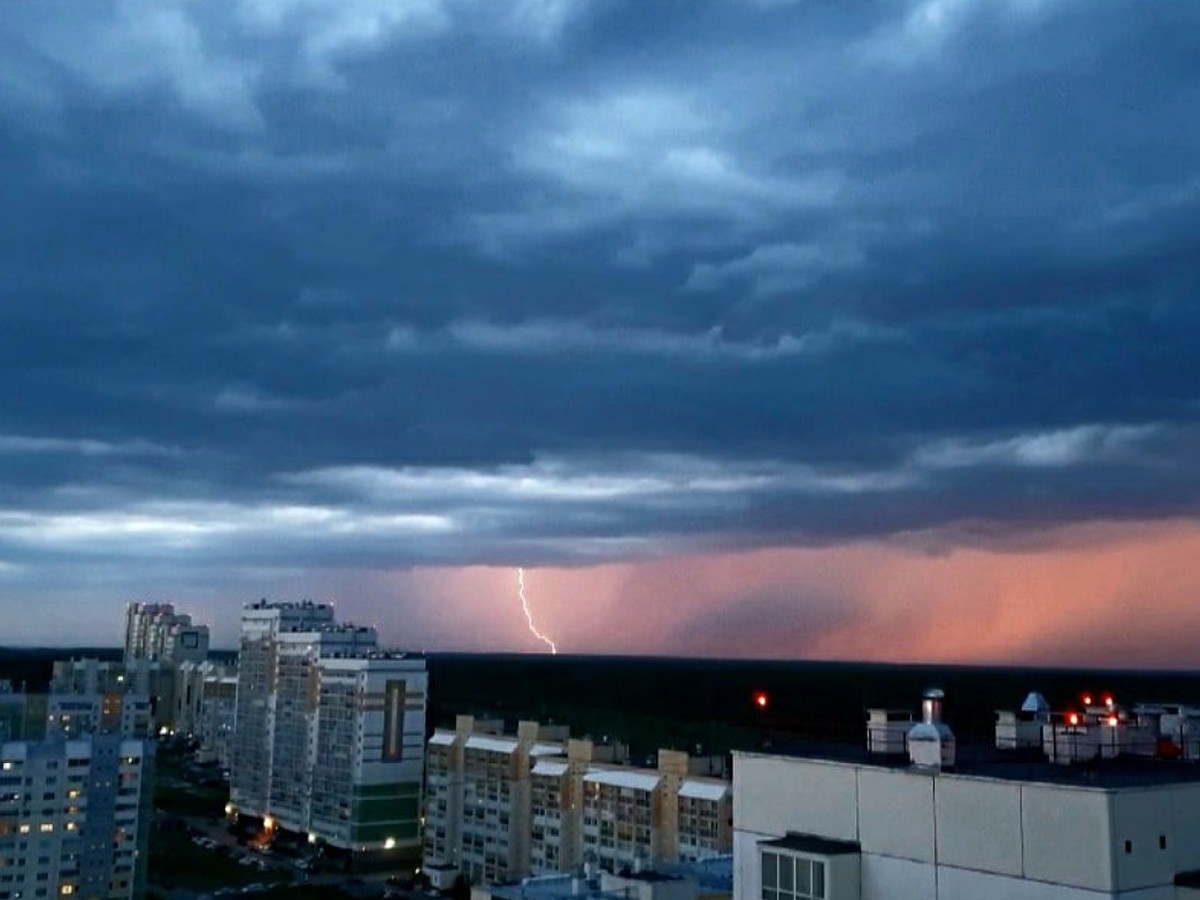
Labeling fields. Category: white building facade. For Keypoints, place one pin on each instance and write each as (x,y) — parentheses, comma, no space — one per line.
(1033,817)
(329,734)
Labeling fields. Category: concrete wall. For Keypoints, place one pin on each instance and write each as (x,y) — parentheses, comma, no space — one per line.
(897,879)
(1162,827)
(1065,836)
(747,875)
(990,838)
(979,825)
(895,813)
(965,884)
(774,795)
(1142,823)
(1185,818)
(843,878)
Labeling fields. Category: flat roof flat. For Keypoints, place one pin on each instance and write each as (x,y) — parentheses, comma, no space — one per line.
(493,744)
(703,790)
(984,760)
(642,781)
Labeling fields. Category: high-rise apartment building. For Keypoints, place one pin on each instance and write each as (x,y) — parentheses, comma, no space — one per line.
(329,731)
(154,632)
(253,740)
(157,641)
(205,706)
(89,695)
(369,752)
(74,817)
(76,715)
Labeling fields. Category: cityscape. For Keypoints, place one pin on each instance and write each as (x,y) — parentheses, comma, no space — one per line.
(599,450)
(308,764)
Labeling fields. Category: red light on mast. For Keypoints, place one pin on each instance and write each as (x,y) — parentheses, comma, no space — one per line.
(1073,718)
(761,700)
(1087,699)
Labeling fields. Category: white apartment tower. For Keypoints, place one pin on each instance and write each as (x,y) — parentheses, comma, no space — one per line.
(369,753)
(154,632)
(157,641)
(254,729)
(329,731)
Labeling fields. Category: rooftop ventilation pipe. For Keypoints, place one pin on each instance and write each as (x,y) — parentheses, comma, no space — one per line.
(931,743)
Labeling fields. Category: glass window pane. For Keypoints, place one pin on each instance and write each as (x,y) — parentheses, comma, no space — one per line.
(786,868)
(769,894)
(803,877)
(818,873)
(768,871)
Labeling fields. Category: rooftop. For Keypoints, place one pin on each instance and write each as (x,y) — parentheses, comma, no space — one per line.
(626,778)
(491,744)
(551,767)
(699,789)
(983,760)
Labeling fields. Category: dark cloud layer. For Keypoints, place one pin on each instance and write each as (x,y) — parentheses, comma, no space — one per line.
(346,284)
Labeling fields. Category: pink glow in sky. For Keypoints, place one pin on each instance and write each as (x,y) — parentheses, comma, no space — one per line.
(1099,595)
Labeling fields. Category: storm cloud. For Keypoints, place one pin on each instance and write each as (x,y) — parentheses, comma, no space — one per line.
(327,289)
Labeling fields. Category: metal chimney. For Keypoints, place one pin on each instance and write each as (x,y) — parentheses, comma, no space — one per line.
(931,706)
(931,743)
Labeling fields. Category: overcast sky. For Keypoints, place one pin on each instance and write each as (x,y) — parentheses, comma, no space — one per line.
(747,327)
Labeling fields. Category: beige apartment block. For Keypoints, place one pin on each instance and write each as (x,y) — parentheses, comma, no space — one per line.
(502,807)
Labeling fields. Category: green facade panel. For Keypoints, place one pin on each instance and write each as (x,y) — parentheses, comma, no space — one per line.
(403,832)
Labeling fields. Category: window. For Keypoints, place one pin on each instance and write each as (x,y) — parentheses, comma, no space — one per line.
(786,877)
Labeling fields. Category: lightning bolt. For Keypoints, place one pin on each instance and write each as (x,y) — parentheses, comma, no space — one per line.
(529,616)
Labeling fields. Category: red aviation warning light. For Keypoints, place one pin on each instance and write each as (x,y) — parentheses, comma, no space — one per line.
(1072,718)
(761,700)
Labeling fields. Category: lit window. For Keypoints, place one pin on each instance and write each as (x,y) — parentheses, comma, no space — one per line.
(24,829)
(46,827)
